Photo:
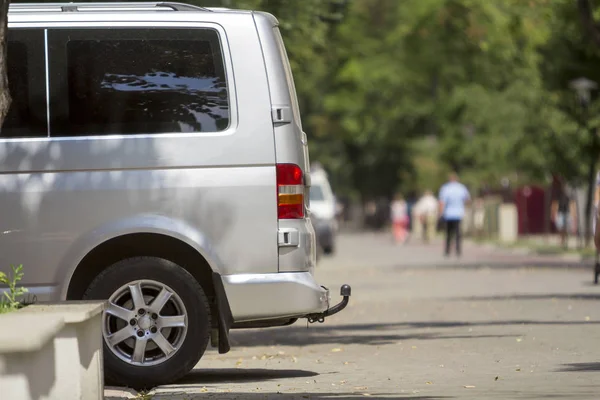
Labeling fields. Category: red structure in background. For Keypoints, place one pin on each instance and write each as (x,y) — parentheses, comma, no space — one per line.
(531,210)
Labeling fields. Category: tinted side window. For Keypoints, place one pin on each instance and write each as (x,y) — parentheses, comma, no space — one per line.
(27,116)
(141,81)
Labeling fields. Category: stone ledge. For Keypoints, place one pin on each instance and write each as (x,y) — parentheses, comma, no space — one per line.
(24,332)
(71,311)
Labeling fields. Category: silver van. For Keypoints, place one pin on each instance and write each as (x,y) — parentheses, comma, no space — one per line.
(154,156)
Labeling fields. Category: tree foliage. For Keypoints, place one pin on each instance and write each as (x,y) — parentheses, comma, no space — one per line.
(397,93)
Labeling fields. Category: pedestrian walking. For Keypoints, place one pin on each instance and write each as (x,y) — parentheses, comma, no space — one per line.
(478,217)
(452,200)
(399,216)
(596,229)
(563,211)
(425,212)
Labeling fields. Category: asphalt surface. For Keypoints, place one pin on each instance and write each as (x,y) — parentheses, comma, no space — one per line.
(495,324)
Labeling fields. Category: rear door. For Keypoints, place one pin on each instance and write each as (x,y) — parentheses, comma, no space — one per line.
(291,145)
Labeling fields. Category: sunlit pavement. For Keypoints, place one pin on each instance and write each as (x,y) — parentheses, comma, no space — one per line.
(495,324)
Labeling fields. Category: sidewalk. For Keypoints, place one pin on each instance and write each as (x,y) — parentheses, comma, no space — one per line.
(415,329)
(378,251)
(547,245)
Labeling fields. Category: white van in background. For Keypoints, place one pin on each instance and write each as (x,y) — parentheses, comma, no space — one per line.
(323,209)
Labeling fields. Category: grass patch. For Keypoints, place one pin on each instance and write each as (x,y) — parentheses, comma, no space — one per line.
(144,395)
(10,301)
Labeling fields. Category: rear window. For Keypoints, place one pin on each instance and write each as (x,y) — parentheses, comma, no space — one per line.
(143,81)
(288,73)
(316,193)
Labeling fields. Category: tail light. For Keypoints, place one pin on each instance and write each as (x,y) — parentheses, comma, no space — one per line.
(290,192)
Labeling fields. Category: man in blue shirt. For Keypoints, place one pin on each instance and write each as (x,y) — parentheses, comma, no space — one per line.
(453,197)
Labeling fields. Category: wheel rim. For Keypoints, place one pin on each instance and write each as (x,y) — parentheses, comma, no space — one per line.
(145,323)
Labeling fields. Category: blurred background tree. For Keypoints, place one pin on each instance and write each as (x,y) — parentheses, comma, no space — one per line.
(394,94)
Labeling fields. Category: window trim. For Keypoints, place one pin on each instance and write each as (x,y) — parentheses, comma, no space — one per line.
(226,65)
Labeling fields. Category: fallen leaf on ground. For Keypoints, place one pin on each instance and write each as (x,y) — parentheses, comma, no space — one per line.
(518,370)
(366,394)
(587,318)
(496,378)
(468,386)
(336,350)
(428,383)
(519,339)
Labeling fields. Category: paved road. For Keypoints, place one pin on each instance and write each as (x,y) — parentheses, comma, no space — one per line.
(493,325)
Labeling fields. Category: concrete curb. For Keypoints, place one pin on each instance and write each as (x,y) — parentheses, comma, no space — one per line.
(52,352)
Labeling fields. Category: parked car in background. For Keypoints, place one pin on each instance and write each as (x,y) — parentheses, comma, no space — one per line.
(139,164)
(323,209)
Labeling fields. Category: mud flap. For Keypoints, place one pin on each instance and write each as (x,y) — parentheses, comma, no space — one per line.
(224,316)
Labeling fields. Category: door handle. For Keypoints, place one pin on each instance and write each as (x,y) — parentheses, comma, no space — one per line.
(288,237)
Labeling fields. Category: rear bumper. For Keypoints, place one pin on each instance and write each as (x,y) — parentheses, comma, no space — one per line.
(254,297)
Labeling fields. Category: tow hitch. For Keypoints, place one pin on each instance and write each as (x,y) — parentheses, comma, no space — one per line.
(345,292)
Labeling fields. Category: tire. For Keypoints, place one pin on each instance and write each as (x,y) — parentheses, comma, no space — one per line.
(328,250)
(182,319)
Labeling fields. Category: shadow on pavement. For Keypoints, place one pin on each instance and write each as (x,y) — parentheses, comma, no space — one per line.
(581,367)
(299,396)
(327,335)
(532,296)
(372,334)
(238,375)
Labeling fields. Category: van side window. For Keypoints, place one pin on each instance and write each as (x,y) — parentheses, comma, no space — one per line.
(27,116)
(140,81)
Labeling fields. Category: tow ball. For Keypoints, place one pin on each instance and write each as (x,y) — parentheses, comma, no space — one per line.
(345,292)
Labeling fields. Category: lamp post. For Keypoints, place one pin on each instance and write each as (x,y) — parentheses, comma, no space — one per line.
(583,87)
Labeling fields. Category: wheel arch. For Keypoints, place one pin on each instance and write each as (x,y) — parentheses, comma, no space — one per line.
(139,244)
(134,232)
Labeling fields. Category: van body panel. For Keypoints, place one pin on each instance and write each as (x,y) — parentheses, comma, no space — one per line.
(222,184)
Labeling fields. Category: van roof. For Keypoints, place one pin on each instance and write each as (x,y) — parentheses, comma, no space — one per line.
(115,7)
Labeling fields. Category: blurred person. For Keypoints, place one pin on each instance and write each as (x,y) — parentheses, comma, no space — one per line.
(452,199)
(596,201)
(399,216)
(426,211)
(370,210)
(596,230)
(478,216)
(563,211)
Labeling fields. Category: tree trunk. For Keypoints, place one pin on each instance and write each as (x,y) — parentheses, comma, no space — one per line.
(586,13)
(590,200)
(4,92)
